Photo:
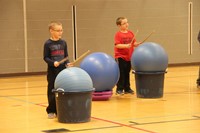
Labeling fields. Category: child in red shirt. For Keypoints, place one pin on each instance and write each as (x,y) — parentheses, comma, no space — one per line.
(124,47)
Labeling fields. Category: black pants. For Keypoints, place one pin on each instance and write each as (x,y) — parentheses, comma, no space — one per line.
(124,79)
(51,76)
(198,79)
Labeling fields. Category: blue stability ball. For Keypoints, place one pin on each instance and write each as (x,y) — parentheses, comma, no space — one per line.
(73,79)
(149,57)
(103,70)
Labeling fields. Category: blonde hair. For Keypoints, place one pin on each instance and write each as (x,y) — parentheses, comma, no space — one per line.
(119,20)
(53,24)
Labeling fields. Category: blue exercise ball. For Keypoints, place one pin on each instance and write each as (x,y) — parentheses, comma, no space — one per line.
(149,57)
(103,70)
(73,79)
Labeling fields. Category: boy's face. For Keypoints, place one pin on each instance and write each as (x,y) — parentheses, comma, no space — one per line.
(124,25)
(56,32)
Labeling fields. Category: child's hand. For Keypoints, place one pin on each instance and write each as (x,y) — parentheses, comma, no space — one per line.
(56,64)
(137,44)
(129,45)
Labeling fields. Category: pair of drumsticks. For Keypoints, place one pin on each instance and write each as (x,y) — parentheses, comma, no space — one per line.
(144,39)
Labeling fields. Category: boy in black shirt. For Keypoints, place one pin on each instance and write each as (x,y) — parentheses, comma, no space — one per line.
(55,49)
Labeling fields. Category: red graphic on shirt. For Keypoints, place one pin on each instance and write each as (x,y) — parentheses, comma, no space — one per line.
(57,52)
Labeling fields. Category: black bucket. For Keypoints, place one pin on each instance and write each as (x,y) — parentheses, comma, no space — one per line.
(149,84)
(73,107)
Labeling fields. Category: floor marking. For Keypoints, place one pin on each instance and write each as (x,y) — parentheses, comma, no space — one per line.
(67,130)
(196,116)
(158,122)
(22,95)
(16,105)
(21,88)
(117,123)
(16,99)
(109,121)
(124,125)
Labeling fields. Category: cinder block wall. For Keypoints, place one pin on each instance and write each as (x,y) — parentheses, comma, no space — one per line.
(24,28)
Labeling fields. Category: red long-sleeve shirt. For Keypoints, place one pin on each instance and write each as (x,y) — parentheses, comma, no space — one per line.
(124,38)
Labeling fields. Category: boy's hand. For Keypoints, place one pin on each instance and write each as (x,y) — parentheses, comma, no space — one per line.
(137,44)
(129,45)
(56,64)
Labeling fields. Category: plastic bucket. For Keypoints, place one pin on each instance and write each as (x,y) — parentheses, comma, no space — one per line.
(149,84)
(73,107)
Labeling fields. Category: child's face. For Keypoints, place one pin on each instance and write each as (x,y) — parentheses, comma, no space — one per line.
(124,25)
(56,32)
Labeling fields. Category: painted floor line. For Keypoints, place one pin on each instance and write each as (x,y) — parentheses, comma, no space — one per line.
(117,123)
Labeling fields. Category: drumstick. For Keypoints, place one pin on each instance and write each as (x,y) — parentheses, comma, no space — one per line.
(80,57)
(134,37)
(147,37)
(65,59)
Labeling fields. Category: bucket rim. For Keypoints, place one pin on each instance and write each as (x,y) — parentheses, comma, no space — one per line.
(143,72)
(61,90)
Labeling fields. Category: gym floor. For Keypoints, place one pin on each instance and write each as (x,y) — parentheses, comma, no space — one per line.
(23,103)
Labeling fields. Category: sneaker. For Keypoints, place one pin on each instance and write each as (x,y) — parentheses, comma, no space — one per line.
(129,91)
(119,92)
(51,115)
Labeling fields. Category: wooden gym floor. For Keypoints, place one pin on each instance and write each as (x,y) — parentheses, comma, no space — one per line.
(23,103)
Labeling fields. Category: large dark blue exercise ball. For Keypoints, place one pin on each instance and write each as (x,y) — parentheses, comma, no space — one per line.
(73,79)
(103,70)
(149,57)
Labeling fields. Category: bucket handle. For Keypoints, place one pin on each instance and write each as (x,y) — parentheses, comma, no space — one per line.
(58,90)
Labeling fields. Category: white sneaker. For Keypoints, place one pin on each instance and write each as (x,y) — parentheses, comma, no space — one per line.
(51,115)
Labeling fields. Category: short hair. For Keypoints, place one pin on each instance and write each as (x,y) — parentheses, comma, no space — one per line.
(119,20)
(53,23)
